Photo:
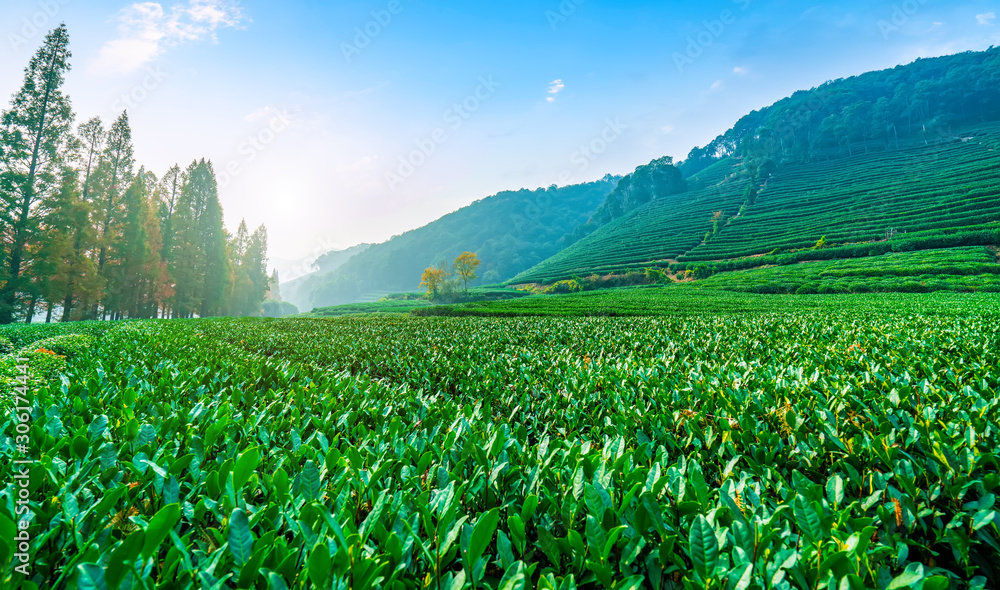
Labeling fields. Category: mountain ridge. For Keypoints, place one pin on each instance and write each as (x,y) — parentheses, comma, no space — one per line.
(905,154)
(509,231)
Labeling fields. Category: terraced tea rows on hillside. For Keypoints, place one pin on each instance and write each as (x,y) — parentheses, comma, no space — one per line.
(716,173)
(948,186)
(695,299)
(848,446)
(956,269)
(652,234)
(940,195)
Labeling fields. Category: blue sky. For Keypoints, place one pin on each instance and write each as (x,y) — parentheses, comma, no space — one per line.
(331,135)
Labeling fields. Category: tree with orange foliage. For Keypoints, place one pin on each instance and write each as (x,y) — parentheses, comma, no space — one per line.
(432,280)
(465,267)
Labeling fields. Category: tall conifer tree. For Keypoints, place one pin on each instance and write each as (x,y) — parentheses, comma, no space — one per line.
(34,133)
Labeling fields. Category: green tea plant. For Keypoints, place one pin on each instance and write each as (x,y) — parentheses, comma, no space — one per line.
(736,441)
(956,269)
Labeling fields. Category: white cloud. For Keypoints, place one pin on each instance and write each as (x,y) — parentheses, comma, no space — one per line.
(667,129)
(147,29)
(717,86)
(740,71)
(554,88)
(986,18)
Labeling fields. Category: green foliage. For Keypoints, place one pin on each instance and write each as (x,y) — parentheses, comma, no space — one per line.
(657,180)
(406,452)
(967,269)
(388,306)
(656,276)
(406,302)
(68,345)
(560,287)
(510,231)
(702,271)
(278,309)
(921,103)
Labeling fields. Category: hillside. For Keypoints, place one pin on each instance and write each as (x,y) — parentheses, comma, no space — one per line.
(940,195)
(298,291)
(905,157)
(917,103)
(655,234)
(510,232)
(659,179)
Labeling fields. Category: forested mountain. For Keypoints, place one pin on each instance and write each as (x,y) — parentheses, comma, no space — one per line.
(298,291)
(878,111)
(84,235)
(898,160)
(657,180)
(510,232)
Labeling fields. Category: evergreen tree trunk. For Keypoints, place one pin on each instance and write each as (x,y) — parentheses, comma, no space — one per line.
(68,300)
(67,307)
(31,309)
(48,313)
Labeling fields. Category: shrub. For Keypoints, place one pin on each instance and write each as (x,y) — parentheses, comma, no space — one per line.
(563,287)
(43,368)
(656,276)
(277,309)
(69,345)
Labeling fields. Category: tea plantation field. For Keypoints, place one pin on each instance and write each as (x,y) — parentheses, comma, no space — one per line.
(967,269)
(400,306)
(729,441)
(940,195)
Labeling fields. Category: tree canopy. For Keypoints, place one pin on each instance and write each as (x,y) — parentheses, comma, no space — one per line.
(917,103)
(84,235)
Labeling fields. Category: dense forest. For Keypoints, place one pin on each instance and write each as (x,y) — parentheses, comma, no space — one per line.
(87,236)
(510,232)
(921,102)
(656,180)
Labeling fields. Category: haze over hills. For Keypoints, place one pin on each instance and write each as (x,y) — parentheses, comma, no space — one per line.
(906,153)
(510,232)
(298,290)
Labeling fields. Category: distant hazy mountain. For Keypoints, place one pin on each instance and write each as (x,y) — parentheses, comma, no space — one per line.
(298,290)
(510,232)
